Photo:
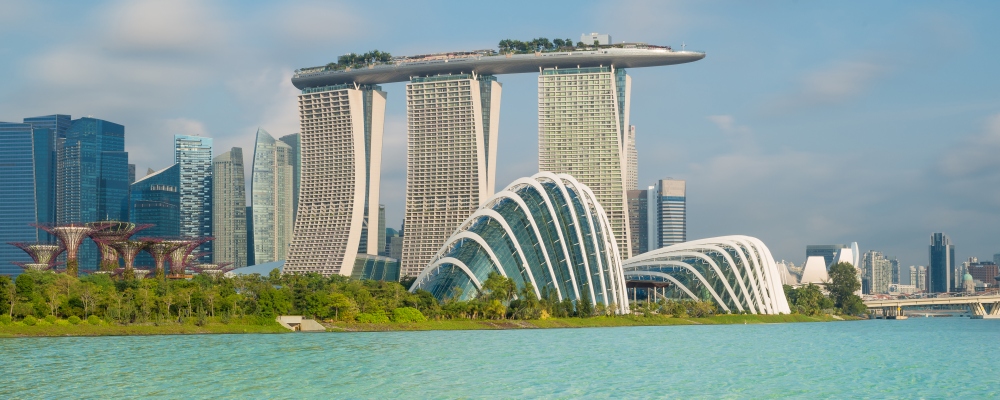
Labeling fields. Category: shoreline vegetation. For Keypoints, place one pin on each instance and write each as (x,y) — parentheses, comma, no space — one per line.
(63,328)
(45,303)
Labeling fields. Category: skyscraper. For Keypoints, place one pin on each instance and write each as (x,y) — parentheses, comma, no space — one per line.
(667,222)
(156,200)
(341,160)
(194,154)
(271,197)
(58,124)
(381,228)
(632,164)
(942,260)
(294,142)
(452,124)
(25,189)
(638,220)
(877,272)
(229,208)
(895,271)
(582,118)
(91,178)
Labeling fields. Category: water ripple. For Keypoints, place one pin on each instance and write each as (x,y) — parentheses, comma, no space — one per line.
(934,357)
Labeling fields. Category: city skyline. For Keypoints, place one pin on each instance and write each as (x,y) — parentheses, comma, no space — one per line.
(843,79)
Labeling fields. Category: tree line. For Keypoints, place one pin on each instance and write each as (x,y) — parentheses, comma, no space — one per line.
(537,44)
(355,60)
(839,297)
(41,294)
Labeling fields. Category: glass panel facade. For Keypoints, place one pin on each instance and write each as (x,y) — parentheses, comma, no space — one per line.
(503,228)
(26,162)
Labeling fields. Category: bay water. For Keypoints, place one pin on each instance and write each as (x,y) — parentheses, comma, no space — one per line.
(916,358)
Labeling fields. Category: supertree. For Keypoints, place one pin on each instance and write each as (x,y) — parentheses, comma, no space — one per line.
(214,270)
(161,249)
(106,232)
(179,257)
(129,249)
(32,266)
(71,236)
(41,253)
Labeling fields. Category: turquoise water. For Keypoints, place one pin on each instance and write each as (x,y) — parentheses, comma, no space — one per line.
(916,358)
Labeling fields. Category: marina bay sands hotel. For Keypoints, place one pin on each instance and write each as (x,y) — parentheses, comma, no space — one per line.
(453,107)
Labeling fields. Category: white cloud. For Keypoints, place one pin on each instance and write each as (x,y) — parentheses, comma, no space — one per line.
(174,26)
(839,81)
(311,22)
(740,136)
(976,155)
(832,84)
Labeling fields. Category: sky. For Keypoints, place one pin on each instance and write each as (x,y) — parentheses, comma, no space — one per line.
(806,123)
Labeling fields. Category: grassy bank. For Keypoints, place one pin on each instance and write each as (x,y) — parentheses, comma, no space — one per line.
(594,322)
(63,328)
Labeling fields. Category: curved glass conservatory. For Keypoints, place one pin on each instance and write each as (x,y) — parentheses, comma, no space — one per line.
(547,230)
(737,273)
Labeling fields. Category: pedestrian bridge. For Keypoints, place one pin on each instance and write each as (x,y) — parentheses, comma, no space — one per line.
(981,306)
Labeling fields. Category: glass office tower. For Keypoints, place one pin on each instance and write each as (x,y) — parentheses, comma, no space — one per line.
(272,199)
(25,189)
(91,178)
(293,141)
(194,155)
(156,200)
(341,158)
(229,207)
(942,261)
(452,125)
(583,114)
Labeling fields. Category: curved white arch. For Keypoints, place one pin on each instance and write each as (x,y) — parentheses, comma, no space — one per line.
(517,246)
(756,260)
(700,277)
(513,196)
(668,277)
(562,239)
(750,301)
(611,243)
(593,235)
(718,272)
(450,260)
(576,227)
(482,243)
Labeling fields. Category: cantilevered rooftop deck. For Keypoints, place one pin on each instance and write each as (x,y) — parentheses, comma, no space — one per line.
(403,69)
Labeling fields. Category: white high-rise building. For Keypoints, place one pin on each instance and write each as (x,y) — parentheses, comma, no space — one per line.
(194,154)
(341,158)
(452,125)
(271,198)
(582,118)
(632,164)
(877,273)
(229,208)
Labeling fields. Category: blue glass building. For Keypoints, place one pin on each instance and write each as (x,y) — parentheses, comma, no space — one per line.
(193,154)
(156,199)
(91,178)
(25,189)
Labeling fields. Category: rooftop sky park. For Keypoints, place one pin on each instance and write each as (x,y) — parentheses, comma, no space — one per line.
(382,68)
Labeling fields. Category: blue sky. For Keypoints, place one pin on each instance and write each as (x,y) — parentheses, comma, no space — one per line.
(807,122)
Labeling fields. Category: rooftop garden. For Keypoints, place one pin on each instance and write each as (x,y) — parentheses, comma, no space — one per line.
(350,61)
(355,60)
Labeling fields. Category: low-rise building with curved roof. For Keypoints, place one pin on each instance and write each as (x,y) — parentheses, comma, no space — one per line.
(547,230)
(737,273)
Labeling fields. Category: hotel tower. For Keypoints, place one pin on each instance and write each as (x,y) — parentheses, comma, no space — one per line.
(452,124)
(583,117)
(341,156)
